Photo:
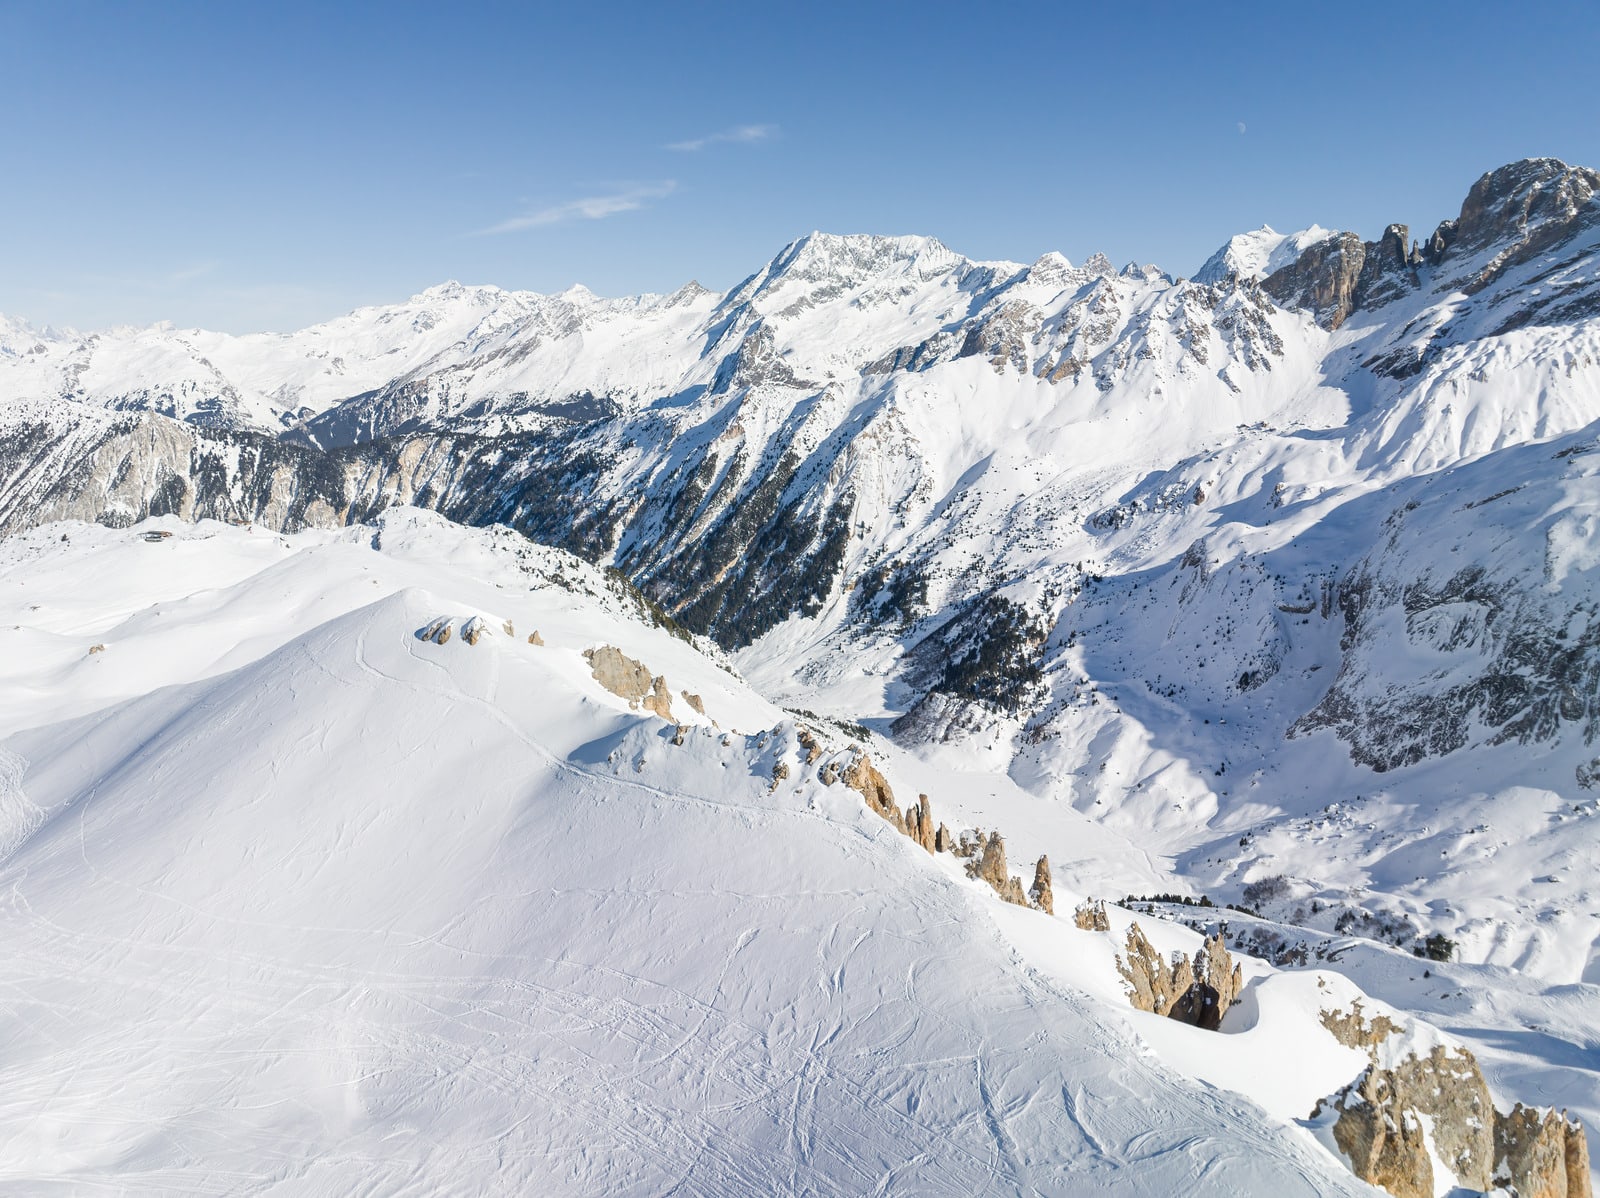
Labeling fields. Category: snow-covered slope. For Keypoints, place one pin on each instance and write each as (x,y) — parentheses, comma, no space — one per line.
(301,902)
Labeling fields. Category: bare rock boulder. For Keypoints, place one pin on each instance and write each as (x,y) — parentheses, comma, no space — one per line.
(474,630)
(807,738)
(1091,916)
(629,679)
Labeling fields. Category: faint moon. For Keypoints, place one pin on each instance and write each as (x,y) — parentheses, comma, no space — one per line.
(1241,126)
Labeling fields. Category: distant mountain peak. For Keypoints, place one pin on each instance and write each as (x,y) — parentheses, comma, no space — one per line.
(1258,253)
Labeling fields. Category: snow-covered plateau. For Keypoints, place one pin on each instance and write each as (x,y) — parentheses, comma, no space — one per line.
(475,744)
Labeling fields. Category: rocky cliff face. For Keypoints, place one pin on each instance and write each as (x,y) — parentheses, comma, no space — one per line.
(1419,1103)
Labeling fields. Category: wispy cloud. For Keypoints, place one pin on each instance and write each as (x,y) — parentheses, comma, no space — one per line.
(589,208)
(189,274)
(744,134)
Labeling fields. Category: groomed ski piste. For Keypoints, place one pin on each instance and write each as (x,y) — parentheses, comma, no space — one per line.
(299,902)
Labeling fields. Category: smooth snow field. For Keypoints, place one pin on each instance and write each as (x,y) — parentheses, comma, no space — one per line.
(296,902)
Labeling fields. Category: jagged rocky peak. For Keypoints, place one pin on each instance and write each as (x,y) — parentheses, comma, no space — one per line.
(1098,264)
(1510,215)
(1518,211)
(1523,198)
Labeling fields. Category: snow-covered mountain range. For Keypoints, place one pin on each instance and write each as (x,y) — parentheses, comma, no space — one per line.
(1274,584)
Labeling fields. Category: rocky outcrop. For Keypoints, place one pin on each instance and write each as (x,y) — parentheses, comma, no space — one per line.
(864,778)
(809,742)
(1541,1153)
(1153,984)
(695,703)
(437,631)
(1091,916)
(1217,983)
(990,866)
(919,823)
(474,630)
(1388,268)
(1378,1129)
(1197,992)
(1039,893)
(986,860)
(534,638)
(1383,1121)
(1380,1137)
(1353,1028)
(629,679)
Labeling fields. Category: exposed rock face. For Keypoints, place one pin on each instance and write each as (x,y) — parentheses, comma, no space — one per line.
(1323,280)
(1092,916)
(1380,1137)
(1379,1122)
(1039,892)
(509,629)
(1335,277)
(863,777)
(990,866)
(919,823)
(808,741)
(1525,208)
(630,680)
(534,638)
(942,841)
(438,631)
(1388,269)
(1217,982)
(1540,1153)
(1198,992)
(1354,1029)
(1526,654)
(1379,1131)
(694,702)
(1153,985)
(475,630)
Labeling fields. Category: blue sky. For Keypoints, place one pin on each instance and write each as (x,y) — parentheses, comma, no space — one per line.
(247,166)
